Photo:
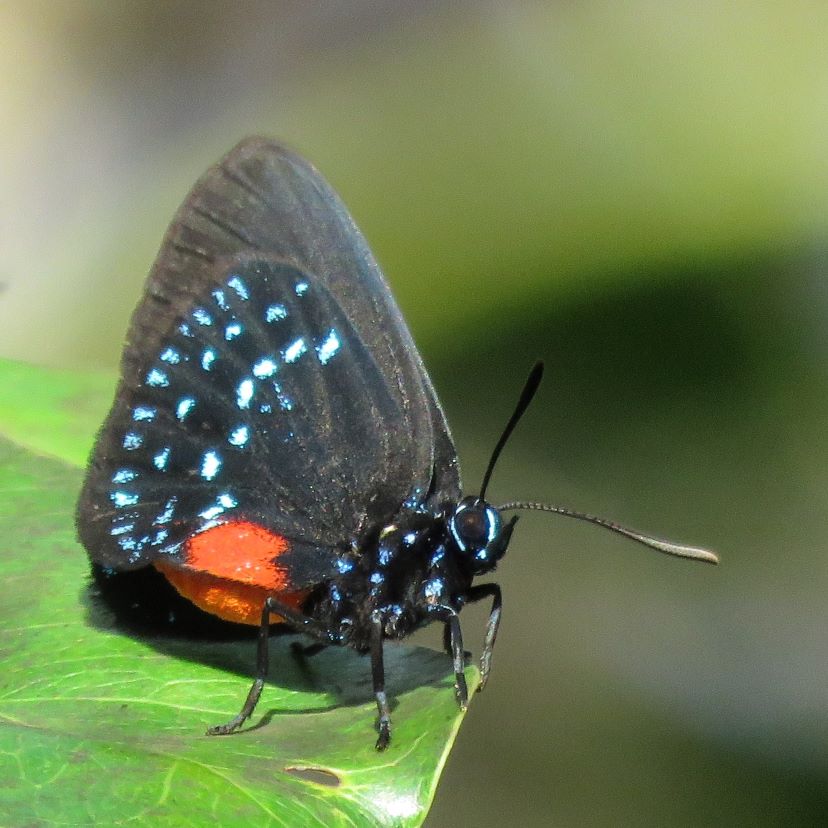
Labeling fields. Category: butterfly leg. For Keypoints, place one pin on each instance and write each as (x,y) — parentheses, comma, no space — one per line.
(378,677)
(458,654)
(478,593)
(447,643)
(453,642)
(307,650)
(272,606)
(447,638)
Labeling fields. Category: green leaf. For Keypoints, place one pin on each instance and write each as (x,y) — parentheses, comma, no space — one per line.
(97,727)
(53,412)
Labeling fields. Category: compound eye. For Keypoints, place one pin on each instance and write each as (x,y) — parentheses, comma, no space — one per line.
(472,526)
(475,526)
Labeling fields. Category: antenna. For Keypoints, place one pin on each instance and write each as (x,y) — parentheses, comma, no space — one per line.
(679,550)
(529,389)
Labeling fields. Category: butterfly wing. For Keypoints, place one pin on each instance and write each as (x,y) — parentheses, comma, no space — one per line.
(268,378)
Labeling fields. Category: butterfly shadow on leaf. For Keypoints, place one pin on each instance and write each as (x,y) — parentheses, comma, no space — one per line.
(333,677)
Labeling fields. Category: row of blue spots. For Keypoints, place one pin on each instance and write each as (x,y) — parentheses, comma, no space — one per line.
(244,394)
(324,351)
(130,544)
(223,502)
(246,389)
(123,527)
(166,515)
(273,312)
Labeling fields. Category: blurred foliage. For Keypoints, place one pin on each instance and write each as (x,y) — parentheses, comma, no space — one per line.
(637,193)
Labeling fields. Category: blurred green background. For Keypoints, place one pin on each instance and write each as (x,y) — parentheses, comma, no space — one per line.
(636,193)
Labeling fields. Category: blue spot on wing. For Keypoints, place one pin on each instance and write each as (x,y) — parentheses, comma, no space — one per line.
(264,368)
(121,499)
(293,351)
(170,355)
(221,301)
(326,350)
(239,286)
(124,476)
(239,436)
(210,465)
(274,313)
(132,441)
(244,393)
(184,407)
(157,378)
(233,330)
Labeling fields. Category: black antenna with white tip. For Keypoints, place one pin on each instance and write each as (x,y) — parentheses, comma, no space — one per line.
(678,550)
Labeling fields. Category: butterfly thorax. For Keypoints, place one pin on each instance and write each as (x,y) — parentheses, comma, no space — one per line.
(403,576)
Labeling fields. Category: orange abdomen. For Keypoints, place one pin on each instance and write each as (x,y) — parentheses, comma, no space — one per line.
(230,569)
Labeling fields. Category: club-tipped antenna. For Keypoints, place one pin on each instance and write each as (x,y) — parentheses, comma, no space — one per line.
(679,550)
(529,389)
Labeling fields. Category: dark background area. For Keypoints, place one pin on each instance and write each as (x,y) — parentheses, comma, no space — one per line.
(635,193)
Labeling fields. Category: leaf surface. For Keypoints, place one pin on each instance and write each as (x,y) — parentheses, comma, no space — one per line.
(99,727)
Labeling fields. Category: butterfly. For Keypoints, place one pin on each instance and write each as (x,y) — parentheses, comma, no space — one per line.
(276,452)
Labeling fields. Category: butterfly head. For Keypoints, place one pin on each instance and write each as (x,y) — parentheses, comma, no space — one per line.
(475,526)
(479,533)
